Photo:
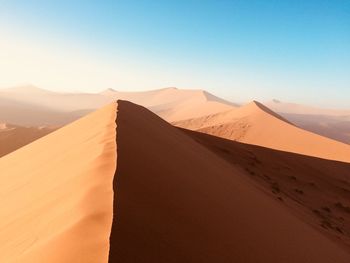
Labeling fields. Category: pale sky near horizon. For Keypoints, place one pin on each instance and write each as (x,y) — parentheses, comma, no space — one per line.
(295,51)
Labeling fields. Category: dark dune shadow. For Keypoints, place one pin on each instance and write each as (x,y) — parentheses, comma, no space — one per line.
(177,201)
(318,187)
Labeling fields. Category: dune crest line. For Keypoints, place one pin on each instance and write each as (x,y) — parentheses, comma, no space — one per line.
(177,201)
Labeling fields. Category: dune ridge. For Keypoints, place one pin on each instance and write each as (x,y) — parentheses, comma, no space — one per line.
(46,107)
(177,201)
(173,104)
(123,185)
(258,125)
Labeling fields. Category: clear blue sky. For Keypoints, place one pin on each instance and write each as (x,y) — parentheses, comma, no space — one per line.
(241,50)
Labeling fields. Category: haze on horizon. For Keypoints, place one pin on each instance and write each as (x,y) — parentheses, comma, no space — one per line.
(239,50)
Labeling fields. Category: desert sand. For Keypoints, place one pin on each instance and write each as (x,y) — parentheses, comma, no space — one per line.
(57,195)
(123,185)
(316,190)
(176,201)
(256,124)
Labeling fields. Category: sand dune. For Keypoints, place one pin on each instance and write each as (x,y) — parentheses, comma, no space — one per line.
(52,108)
(56,203)
(256,124)
(175,200)
(45,107)
(316,190)
(13,137)
(174,104)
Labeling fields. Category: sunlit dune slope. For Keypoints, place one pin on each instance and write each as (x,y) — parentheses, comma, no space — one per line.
(176,201)
(56,194)
(256,124)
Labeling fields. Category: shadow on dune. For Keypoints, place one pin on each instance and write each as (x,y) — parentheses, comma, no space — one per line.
(317,189)
(177,200)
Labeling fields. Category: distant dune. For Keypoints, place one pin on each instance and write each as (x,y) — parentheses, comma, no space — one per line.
(174,104)
(334,124)
(45,107)
(52,108)
(334,127)
(13,137)
(258,125)
(294,108)
(175,199)
(61,102)
(24,114)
